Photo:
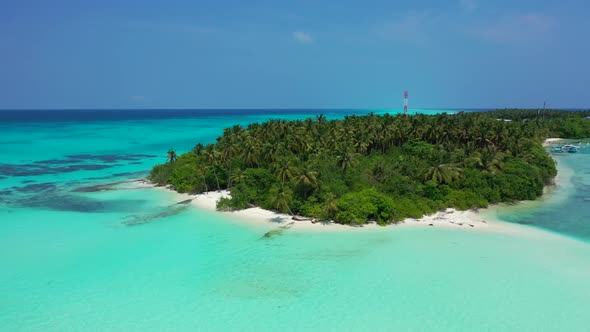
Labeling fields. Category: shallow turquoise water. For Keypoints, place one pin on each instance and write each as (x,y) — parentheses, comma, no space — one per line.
(68,262)
(567,210)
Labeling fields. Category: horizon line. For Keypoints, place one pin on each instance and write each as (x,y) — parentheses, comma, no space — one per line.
(290,109)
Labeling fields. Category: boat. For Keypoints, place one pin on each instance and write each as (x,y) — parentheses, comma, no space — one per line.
(569,148)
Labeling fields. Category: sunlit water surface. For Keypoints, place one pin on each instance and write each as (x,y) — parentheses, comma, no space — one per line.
(69,262)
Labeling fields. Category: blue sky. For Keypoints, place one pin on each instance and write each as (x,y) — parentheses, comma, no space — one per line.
(294,54)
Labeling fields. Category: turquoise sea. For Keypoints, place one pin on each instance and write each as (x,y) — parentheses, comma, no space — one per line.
(68,261)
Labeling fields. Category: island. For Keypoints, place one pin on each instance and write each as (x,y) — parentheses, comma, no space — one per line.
(377,168)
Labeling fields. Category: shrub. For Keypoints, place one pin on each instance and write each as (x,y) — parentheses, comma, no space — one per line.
(369,204)
(160,174)
(464,200)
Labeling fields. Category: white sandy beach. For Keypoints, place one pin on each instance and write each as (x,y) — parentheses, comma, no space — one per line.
(450,218)
(553,140)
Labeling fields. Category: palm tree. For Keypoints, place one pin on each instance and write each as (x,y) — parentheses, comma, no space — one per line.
(212,156)
(491,162)
(499,134)
(229,148)
(172,156)
(268,151)
(280,198)
(308,180)
(377,172)
(482,139)
(285,171)
(321,120)
(346,159)
(331,205)
(198,149)
(362,146)
(250,152)
(443,173)
(238,176)
(202,170)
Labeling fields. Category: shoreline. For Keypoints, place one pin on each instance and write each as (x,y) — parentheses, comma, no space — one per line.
(485,219)
(469,220)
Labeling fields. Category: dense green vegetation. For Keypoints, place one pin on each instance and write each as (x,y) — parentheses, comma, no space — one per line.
(381,168)
(557,123)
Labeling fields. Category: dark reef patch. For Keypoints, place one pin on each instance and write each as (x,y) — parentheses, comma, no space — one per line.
(71,135)
(74,168)
(15,142)
(27,181)
(58,161)
(110,158)
(5,192)
(96,188)
(36,188)
(61,203)
(139,173)
(71,163)
(105,186)
(94,178)
(75,203)
(41,169)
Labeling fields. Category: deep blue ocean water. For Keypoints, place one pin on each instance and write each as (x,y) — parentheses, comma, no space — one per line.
(69,262)
(131,114)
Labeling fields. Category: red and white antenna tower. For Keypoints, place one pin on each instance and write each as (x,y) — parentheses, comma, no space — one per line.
(406,102)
